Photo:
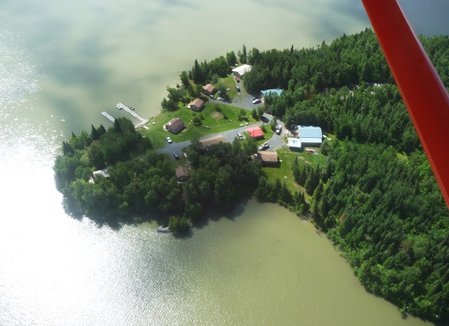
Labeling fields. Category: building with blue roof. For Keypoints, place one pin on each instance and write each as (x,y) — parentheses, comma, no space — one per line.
(273,91)
(310,135)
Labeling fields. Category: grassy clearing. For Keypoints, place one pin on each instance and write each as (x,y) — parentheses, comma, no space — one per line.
(285,173)
(229,83)
(215,117)
(313,159)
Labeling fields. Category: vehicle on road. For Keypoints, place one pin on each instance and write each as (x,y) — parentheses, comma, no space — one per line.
(278,130)
(264,146)
(239,135)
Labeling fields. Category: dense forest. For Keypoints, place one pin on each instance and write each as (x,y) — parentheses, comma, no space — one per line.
(376,197)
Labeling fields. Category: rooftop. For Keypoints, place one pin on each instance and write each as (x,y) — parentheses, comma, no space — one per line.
(175,125)
(196,103)
(182,171)
(294,142)
(212,140)
(267,156)
(209,88)
(243,69)
(254,132)
(310,132)
(272,91)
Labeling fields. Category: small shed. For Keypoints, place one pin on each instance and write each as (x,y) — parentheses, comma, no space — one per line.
(294,143)
(241,70)
(182,173)
(175,125)
(206,142)
(196,105)
(269,158)
(209,89)
(255,132)
(310,135)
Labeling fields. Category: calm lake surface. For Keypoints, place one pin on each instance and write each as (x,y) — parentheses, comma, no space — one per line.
(61,64)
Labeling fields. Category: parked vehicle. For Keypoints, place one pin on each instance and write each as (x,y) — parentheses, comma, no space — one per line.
(263,147)
(169,140)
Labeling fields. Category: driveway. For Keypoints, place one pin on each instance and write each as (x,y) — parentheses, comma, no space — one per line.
(243,99)
(228,135)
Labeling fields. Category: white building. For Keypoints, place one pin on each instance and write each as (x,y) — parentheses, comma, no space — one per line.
(310,135)
(241,70)
(294,143)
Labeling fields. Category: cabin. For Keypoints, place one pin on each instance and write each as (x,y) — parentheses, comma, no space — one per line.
(255,132)
(209,89)
(269,158)
(182,173)
(241,70)
(312,136)
(294,143)
(196,105)
(206,142)
(175,125)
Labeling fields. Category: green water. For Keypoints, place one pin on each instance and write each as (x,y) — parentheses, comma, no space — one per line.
(61,64)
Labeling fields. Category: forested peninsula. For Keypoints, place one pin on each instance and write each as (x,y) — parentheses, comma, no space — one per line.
(373,192)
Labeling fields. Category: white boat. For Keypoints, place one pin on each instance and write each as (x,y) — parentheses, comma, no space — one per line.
(163,229)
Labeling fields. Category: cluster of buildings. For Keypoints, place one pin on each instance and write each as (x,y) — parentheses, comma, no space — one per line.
(301,137)
(176,125)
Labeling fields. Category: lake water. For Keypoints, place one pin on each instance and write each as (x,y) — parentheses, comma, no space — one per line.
(61,64)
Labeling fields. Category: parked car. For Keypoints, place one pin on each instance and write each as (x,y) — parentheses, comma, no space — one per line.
(238,88)
(239,135)
(278,130)
(169,140)
(176,156)
(264,146)
(256,101)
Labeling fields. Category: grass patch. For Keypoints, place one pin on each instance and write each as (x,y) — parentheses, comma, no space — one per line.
(285,172)
(313,159)
(229,83)
(215,118)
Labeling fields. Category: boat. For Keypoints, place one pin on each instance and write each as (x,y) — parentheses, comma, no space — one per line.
(163,229)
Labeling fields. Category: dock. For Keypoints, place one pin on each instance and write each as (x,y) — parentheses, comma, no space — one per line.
(121,106)
(108,116)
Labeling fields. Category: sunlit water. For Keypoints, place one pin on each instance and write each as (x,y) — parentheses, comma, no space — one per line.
(61,64)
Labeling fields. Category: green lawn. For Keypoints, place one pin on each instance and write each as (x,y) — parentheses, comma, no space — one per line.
(229,83)
(213,121)
(284,172)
